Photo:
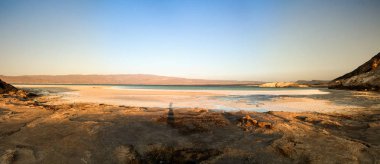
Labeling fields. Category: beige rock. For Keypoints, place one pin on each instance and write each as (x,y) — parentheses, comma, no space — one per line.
(282,85)
(265,125)
(8,157)
(126,154)
(247,121)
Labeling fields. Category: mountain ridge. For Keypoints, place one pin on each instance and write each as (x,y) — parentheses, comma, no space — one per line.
(131,79)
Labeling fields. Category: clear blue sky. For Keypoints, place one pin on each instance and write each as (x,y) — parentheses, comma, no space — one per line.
(211,39)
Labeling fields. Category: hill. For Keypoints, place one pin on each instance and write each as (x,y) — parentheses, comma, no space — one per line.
(131,79)
(365,77)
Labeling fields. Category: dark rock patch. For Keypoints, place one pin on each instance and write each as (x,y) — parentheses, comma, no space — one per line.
(6,88)
(187,155)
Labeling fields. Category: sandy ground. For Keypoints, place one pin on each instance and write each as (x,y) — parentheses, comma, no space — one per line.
(49,129)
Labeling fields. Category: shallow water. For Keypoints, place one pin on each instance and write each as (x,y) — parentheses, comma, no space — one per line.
(226,98)
(203,87)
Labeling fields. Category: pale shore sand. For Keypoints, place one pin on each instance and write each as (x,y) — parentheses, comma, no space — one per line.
(256,100)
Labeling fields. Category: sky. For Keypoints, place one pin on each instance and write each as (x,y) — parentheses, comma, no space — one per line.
(267,40)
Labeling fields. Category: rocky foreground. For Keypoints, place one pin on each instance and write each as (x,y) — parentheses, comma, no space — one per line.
(46,130)
(365,77)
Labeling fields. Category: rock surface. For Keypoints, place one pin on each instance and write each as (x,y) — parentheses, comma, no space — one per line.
(6,88)
(283,85)
(54,130)
(365,77)
(7,157)
(314,83)
(10,90)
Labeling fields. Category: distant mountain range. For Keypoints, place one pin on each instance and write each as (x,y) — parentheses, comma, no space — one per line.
(131,79)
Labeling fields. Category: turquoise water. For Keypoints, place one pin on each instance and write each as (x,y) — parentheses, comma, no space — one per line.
(197,87)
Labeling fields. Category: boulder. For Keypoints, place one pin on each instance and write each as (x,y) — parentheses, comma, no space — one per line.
(6,88)
(365,77)
(10,90)
(247,121)
(265,125)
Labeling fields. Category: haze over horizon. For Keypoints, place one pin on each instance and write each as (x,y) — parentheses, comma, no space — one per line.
(269,40)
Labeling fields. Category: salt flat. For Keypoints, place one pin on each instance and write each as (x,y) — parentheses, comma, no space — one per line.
(291,100)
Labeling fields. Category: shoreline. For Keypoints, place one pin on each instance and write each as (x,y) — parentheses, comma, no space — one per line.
(257,100)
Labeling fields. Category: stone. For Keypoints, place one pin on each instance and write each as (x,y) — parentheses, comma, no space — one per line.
(126,154)
(302,118)
(265,125)
(248,121)
(8,157)
(7,88)
(374,124)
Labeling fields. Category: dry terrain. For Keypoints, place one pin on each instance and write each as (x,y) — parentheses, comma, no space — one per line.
(46,129)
